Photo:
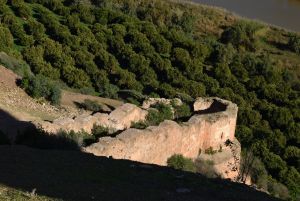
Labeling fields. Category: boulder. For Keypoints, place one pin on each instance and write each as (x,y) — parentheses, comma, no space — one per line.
(122,117)
(202,103)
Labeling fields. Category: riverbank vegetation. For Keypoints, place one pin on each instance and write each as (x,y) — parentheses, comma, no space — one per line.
(168,49)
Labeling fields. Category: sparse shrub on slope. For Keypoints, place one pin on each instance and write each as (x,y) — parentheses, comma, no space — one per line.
(205,167)
(158,114)
(40,86)
(242,35)
(182,111)
(91,105)
(37,138)
(294,43)
(179,162)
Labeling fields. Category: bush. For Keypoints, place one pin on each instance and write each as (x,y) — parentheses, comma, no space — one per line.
(6,38)
(277,189)
(4,139)
(182,111)
(160,113)
(13,64)
(294,43)
(139,125)
(181,163)
(241,34)
(40,139)
(100,131)
(40,86)
(205,167)
(91,105)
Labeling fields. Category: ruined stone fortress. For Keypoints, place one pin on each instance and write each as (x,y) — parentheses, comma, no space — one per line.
(212,124)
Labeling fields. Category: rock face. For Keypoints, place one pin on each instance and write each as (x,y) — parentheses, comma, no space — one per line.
(119,119)
(202,104)
(152,101)
(123,116)
(225,161)
(212,124)
(210,127)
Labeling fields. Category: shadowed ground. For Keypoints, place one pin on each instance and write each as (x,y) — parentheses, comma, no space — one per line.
(73,175)
(11,126)
(78,176)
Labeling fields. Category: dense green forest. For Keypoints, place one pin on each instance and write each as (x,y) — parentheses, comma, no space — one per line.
(167,49)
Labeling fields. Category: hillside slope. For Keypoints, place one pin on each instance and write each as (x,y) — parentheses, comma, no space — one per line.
(15,102)
(171,49)
(76,176)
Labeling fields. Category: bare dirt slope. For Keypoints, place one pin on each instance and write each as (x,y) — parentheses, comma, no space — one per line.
(16,105)
(69,100)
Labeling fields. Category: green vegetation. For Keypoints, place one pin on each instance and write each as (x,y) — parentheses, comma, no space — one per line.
(162,48)
(183,111)
(179,162)
(204,167)
(62,140)
(253,167)
(91,105)
(294,43)
(157,114)
(42,140)
(41,86)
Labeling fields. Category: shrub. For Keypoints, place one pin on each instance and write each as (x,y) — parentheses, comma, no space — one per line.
(179,162)
(13,64)
(139,125)
(6,38)
(4,139)
(294,43)
(160,113)
(205,167)
(100,131)
(277,189)
(40,139)
(242,34)
(182,111)
(40,86)
(91,105)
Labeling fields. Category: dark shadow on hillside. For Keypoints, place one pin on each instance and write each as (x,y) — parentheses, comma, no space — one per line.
(77,176)
(11,127)
(279,45)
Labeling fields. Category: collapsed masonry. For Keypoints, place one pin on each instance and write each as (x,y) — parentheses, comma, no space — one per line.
(211,126)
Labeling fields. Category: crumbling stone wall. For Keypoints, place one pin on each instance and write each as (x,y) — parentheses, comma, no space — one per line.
(119,119)
(204,130)
(211,125)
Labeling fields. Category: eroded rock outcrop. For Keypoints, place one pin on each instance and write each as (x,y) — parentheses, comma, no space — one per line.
(119,119)
(211,125)
(209,128)
(152,101)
